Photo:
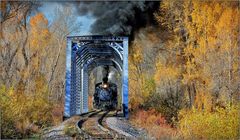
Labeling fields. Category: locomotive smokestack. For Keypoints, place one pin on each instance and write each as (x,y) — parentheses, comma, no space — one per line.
(105,71)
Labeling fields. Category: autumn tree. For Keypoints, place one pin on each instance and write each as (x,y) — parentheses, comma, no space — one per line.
(14,38)
(64,24)
(206,35)
(196,27)
(141,78)
(211,62)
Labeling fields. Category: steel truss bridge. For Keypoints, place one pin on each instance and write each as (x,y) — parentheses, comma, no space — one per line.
(83,54)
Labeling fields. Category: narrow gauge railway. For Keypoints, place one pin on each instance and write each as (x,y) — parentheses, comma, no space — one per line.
(97,124)
(57,132)
(94,127)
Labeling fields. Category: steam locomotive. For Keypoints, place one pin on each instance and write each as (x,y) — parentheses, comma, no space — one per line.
(105,95)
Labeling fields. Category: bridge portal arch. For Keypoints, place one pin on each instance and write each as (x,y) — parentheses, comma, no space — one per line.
(84,53)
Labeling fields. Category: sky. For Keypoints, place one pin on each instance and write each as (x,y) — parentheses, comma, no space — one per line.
(48,9)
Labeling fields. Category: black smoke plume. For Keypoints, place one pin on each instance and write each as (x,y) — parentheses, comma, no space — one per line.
(119,18)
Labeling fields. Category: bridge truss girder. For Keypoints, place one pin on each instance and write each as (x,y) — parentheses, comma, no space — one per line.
(83,54)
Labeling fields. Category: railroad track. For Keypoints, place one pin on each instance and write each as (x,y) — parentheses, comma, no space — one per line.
(96,124)
(94,127)
(58,132)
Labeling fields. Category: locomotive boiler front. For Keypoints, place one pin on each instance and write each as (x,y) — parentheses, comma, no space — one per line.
(105,96)
(105,93)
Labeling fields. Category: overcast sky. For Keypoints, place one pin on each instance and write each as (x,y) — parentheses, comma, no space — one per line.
(48,9)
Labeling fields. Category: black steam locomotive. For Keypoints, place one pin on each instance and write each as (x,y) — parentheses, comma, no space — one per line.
(105,96)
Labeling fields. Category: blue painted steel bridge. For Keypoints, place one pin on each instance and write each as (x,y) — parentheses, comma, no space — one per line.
(83,54)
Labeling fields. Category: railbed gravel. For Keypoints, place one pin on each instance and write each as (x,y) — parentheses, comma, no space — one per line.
(122,126)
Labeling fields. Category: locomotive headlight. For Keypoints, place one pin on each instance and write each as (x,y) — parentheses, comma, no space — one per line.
(105,85)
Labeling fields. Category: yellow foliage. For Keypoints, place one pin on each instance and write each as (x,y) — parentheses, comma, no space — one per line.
(138,54)
(24,113)
(221,124)
(203,101)
(70,130)
(164,73)
(141,84)
(39,32)
(38,20)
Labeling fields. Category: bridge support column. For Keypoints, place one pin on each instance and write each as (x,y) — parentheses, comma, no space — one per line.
(68,79)
(125,78)
(85,91)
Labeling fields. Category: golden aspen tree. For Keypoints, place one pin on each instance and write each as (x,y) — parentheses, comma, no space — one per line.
(227,32)
(205,44)
(169,98)
(135,76)
(212,56)
(39,38)
(141,70)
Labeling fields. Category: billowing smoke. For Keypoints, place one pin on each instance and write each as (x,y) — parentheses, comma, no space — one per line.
(112,76)
(118,18)
(105,71)
(109,72)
